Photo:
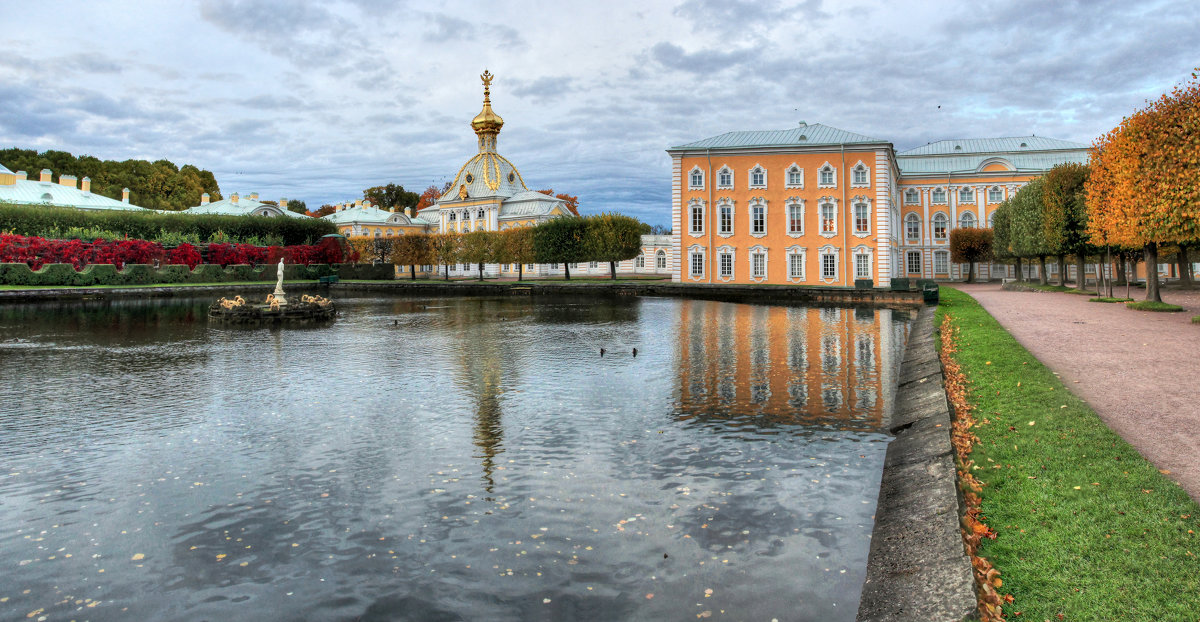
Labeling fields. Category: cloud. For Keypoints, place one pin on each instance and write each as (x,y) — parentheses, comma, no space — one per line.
(544,89)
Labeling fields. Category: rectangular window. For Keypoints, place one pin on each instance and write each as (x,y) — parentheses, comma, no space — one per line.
(914,262)
(829,266)
(697,180)
(639,261)
(758,222)
(726,215)
(995,195)
(554,266)
(504,268)
(725,178)
(795,177)
(861,218)
(827,177)
(697,219)
(592,265)
(796,266)
(860,175)
(862,266)
(529,266)
(912,228)
(758,265)
(941,263)
(828,219)
(697,264)
(758,177)
(725,261)
(795,219)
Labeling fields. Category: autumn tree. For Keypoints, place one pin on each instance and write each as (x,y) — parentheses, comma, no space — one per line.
(1144,189)
(446,249)
(518,248)
(478,248)
(324,210)
(970,245)
(571,200)
(412,250)
(431,194)
(612,238)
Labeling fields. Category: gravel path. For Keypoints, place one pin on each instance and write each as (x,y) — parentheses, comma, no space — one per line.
(1140,371)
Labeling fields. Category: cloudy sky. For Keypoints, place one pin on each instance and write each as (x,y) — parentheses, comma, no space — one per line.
(318,100)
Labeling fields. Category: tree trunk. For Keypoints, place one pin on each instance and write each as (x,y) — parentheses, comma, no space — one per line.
(1042,278)
(1019,275)
(520,273)
(1062,270)
(567,270)
(1152,293)
(481,271)
(1121,275)
(1080,277)
(412,271)
(1107,264)
(612,268)
(447,272)
(970,272)
(1185,268)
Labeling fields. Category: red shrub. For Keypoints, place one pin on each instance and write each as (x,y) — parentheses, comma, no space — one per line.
(184,254)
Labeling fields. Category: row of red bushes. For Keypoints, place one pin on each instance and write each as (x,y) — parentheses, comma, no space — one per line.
(36,252)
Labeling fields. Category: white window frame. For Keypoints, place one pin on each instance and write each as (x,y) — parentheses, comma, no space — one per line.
(933,196)
(724,173)
(660,260)
(991,220)
(692,183)
(962,220)
(854,203)
(726,253)
(693,205)
(933,224)
(914,194)
(757,202)
(966,194)
(859,167)
(827,168)
(910,218)
(999,194)
(821,203)
(863,251)
(908,259)
(793,169)
(945,257)
(696,258)
(792,252)
(757,168)
(794,202)
(722,205)
(757,250)
(639,262)
(822,253)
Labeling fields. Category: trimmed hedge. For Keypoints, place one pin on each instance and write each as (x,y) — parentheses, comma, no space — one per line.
(62,274)
(149,225)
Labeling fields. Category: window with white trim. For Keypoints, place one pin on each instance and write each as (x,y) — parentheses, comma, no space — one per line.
(912,197)
(724,218)
(991,220)
(758,177)
(825,177)
(862,264)
(725,264)
(795,213)
(639,261)
(860,175)
(939,226)
(938,196)
(697,264)
(592,265)
(725,178)
(966,220)
(828,265)
(828,218)
(914,262)
(696,179)
(966,195)
(995,194)
(912,227)
(758,263)
(862,217)
(941,262)
(758,219)
(795,259)
(795,177)
(697,220)
(660,260)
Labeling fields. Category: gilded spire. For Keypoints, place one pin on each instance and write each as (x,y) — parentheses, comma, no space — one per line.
(487,123)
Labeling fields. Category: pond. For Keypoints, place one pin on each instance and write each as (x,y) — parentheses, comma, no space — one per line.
(442,459)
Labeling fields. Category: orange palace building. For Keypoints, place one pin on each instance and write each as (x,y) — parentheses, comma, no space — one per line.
(816,205)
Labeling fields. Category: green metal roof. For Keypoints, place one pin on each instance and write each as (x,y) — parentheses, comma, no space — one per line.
(30,192)
(1023,153)
(1015,144)
(804,135)
(245,206)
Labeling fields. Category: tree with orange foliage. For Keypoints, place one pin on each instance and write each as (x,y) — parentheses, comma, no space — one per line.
(431,195)
(572,200)
(1144,189)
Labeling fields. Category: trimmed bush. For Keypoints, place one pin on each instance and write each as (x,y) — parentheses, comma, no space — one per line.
(135,274)
(207,273)
(55,274)
(96,274)
(172,274)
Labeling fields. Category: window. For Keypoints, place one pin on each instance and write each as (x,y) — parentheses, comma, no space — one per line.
(912,227)
(660,260)
(697,264)
(938,195)
(912,197)
(992,220)
(697,219)
(696,179)
(825,177)
(479,215)
(758,219)
(554,266)
(795,265)
(378,233)
(795,177)
(914,262)
(758,265)
(453,217)
(828,266)
(725,178)
(862,218)
(796,219)
(758,177)
(529,266)
(592,265)
(725,265)
(504,268)
(860,176)
(941,262)
(995,194)
(862,265)
(828,218)
(939,226)
(966,195)
(966,220)
(725,219)
(639,261)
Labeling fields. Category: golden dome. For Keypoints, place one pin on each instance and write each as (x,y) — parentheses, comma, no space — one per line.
(487,120)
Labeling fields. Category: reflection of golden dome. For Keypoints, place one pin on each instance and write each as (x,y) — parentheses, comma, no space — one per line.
(487,119)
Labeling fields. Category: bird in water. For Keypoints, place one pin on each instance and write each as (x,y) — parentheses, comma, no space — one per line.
(602,351)
(635,352)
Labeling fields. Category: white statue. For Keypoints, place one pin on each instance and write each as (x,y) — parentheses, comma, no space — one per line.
(279,285)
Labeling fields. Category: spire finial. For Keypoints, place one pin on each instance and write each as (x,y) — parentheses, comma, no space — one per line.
(487,123)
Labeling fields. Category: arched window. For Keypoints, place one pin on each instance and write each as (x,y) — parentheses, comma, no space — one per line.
(725,178)
(991,220)
(795,177)
(479,215)
(696,179)
(825,176)
(912,197)
(966,195)
(660,260)
(758,177)
(938,195)
(939,226)
(860,175)
(912,227)
(967,220)
(995,194)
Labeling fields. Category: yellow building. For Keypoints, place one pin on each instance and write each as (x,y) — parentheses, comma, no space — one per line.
(817,205)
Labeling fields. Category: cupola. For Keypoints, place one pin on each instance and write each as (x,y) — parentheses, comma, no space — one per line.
(487,123)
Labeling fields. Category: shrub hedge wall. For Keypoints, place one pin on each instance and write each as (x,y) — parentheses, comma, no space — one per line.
(62,274)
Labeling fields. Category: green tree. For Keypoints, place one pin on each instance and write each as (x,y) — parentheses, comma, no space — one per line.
(297,206)
(1065,217)
(412,250)
(1027,233)
(391,196)
(1002,236)
(446,249)
(518,248)
(970,245)
(478,248)
(561,240)
(613,237)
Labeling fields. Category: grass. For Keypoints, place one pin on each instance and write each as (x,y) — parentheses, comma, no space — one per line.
(1153,305)
(1196,319)
(1086,527)
(1109,299)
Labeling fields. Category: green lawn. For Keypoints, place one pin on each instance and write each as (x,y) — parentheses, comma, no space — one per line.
(1086,527)
(1110,299)
(1153,305)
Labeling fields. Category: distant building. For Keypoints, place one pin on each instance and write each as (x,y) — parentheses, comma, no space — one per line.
(238,206)
(18,189)
(363,219)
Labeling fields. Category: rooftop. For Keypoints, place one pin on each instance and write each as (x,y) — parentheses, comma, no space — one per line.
(1014,144)
(803,135)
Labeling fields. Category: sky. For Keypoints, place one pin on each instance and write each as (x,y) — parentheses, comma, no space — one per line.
(319,100)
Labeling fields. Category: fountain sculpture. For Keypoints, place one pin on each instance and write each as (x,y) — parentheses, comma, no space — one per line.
(275,309)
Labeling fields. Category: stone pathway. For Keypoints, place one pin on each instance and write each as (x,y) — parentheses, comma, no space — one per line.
(1140,371)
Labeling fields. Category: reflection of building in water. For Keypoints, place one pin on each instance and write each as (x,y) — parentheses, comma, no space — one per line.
(787,364)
